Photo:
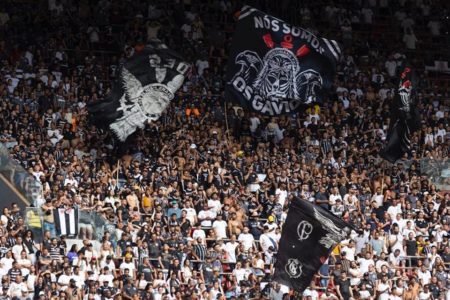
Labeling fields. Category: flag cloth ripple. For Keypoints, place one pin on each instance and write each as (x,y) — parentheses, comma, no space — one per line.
(308,236)
(147,83)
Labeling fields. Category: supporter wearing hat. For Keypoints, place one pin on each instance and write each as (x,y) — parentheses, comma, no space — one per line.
(271,223)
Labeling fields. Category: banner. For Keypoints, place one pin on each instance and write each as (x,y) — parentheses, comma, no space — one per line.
(66,221)
(146,85)
(405,119)
(307,239)
(275,67)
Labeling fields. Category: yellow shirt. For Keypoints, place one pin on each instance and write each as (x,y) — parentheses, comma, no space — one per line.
(34,220)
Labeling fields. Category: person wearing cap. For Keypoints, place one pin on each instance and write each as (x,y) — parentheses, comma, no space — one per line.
(271,223)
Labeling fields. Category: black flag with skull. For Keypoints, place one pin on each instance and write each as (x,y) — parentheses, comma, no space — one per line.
(147,83)
(404,118)
(308,236)
(274,67)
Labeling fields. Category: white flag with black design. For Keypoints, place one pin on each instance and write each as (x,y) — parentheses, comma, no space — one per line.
(308,236)
(147,83)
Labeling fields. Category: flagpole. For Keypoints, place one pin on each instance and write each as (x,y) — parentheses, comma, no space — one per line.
(118,167)
(382,178)
(226,121)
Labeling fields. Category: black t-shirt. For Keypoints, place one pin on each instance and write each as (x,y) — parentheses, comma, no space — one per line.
(154,249)
(253,226)
(411,247)
(252,178)
(421,223)
(130,290)
(344,287)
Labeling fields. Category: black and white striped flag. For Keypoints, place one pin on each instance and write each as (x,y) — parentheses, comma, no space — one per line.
(275,67)
(66,221)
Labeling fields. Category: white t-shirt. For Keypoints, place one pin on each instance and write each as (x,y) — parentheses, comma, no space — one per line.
(246,239)
(282,195)
(202,215)
(215,205)
(16,249)
(190,214)
(199,233)
(64,280)
(425,276)
(398,244)
(16,289)
(239,274)
(349,253)
(383,287)
(129,266)
(394,210)
(106,277)
(230,248)
(364,264)
(220,228)
(201,66)
(334,197)
(254,123)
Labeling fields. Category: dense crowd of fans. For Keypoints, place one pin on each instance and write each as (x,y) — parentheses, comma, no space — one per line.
(198,198)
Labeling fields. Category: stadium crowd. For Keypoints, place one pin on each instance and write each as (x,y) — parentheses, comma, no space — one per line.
(198,198)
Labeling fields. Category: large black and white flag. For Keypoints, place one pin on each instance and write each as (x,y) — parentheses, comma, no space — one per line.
(66,221)
(405,119)
(275,67)
(308,236)
(146,85)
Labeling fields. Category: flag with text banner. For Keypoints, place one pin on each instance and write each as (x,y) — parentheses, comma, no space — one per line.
(275,67)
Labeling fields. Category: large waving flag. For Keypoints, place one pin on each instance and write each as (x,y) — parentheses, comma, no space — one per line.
(275,67)
(405,119)
(146,85)
(308,236)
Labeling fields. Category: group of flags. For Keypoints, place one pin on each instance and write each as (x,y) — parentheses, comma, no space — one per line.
(274,68)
